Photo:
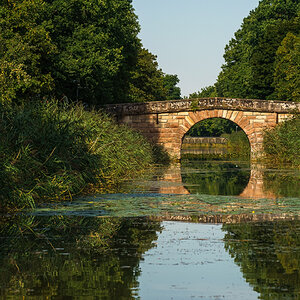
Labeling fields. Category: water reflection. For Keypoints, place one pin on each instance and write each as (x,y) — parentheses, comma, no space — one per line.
(215,178)
(128,258)
(268,255)
(73,257)
(232,178)
(80,257)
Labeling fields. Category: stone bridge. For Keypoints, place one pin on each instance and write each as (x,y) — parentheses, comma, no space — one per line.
(166,122)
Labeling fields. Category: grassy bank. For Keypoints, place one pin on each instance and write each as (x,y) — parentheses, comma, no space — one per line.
(282,144)
(53,151)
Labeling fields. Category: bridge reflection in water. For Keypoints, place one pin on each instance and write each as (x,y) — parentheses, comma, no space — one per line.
(171,182)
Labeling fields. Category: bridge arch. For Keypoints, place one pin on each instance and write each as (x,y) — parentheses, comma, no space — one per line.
(241,119)
(166,122)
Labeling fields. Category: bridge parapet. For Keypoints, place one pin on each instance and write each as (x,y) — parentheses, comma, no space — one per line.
(184,105)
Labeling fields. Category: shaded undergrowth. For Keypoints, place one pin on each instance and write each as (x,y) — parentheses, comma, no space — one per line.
(282,144)
(54,151)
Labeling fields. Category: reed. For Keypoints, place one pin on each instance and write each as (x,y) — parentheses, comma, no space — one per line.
(50,150)
(282,143)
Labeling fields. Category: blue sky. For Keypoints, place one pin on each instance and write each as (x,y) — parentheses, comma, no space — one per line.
(189,36)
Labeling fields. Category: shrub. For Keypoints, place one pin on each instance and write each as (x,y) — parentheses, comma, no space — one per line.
(282,144)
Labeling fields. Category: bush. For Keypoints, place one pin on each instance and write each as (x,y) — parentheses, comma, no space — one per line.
(282,144)
(49,150)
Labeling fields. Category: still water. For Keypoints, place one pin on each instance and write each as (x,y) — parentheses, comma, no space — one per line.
(200,230)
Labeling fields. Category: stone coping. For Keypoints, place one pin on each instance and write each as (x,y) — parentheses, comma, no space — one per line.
(184,105)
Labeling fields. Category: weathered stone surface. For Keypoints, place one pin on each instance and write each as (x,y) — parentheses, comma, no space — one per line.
(249,105)
(205,140)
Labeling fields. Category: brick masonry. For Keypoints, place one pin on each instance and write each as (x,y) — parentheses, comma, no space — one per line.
(166,122)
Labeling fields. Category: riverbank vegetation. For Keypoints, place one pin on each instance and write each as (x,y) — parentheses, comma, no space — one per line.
(282,144)
(238,145)
(52,151)
(74,51)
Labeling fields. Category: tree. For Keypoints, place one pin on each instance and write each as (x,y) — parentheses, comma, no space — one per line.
(147,80)
(12,78)
(98,48)
(209,91)
(81,48)
(213,127)
(25,49)
(250,55)
(287,69)
(173,91)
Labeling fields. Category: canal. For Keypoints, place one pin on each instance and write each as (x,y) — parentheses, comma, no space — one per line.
(195,230)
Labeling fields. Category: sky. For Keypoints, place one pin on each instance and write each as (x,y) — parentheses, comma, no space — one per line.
(189,36)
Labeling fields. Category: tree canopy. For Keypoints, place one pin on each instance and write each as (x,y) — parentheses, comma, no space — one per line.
(173,91)
(262,60)
(250,56)
(209,91)
(81,49)
(287,68)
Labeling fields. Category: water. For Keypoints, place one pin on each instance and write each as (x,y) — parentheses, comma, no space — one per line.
(190,262)
(200,230)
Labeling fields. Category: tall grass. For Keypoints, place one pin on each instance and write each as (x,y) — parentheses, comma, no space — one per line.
(48,150)
(282,144)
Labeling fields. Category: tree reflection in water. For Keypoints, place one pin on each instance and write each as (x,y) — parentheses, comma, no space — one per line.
(269,256)
(215,178)
(73,257)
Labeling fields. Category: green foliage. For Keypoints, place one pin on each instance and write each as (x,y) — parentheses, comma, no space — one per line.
(147,81)
(238,144)
(213,127)
(287,69)
(25,49)
(84,50)
(97,48)
(248,71)
(282,144)
(73,257)
(53,151)
(207,92)
(12,79)
(173,91)
(80,49)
